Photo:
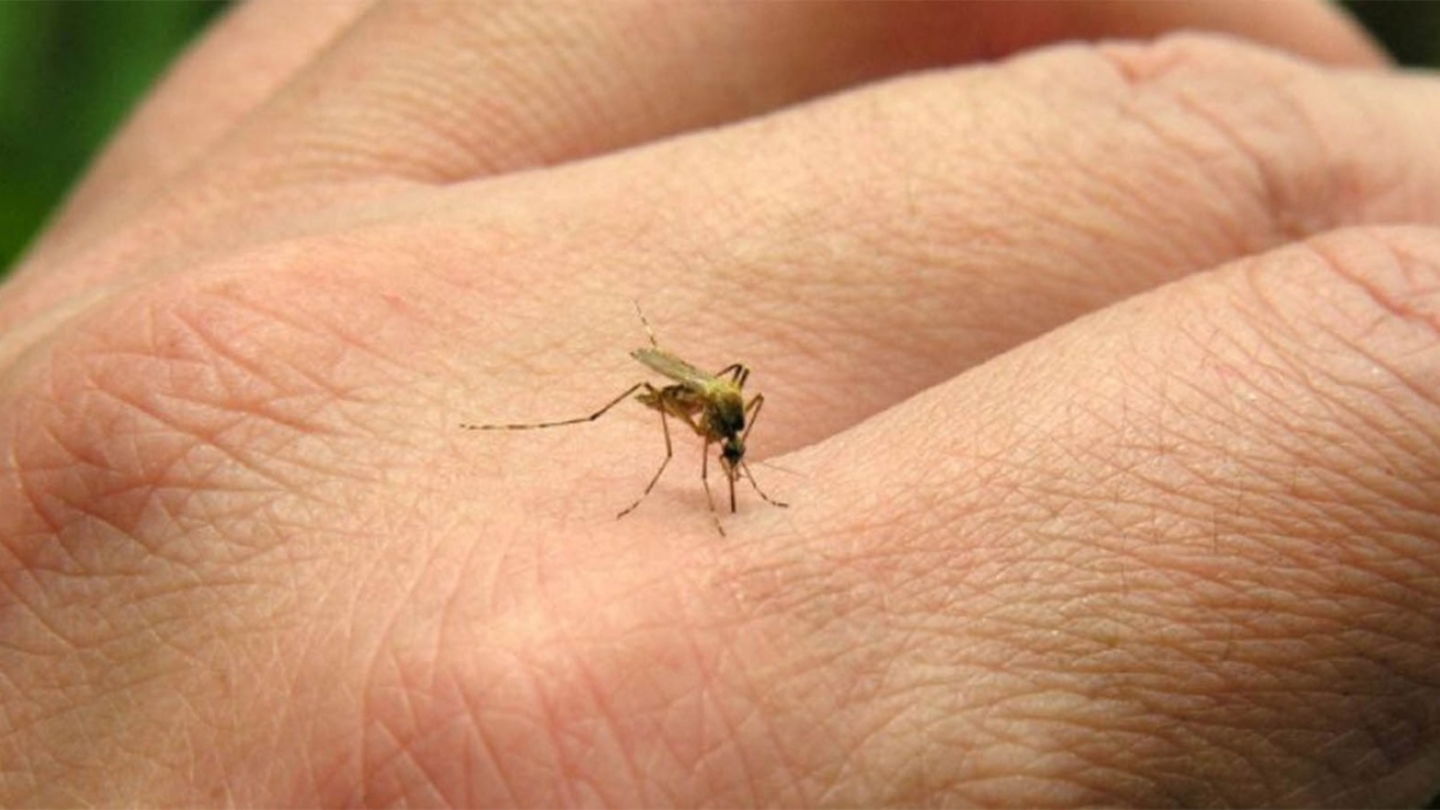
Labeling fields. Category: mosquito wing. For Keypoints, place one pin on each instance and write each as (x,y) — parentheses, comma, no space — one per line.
(662,362)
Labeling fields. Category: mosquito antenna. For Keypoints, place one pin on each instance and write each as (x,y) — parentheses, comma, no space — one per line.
(577,420)
(748,477)
(646,323)
(779,468)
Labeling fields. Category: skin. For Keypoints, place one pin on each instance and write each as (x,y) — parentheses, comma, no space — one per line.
(1103,378)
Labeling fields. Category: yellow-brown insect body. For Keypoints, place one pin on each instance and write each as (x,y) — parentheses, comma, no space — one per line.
(725,422)
(713,405)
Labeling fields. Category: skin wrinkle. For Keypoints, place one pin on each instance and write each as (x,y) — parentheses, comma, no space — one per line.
(709,697)
(308,323)
(136,404)
(67,713)
(1274,200)
(399,745)
(1056,776)
(611,724)
(564,764)
(1382,363)
(418,588)
(499,118)
(340,152)
(270,483)
(425,790)
(1354,185)
(300,719)
(615,718)
(1176,132)
(715,681)
(872,735)
(759,768)
(1370,356)
(482,714)
(1253,467)
(771,720)
(1095,776)
(749,791)
(523,137)
(1423,289)
(343,765)
(491,750)
(160,247)
(202,435)
(219,355)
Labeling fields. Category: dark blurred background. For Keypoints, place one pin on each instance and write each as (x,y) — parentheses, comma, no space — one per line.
(69,71)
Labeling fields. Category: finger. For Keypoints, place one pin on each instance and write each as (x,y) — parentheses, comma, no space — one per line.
(254,49)
(483,88)
(478,89)
(966,213)
(461,90)
(1186,547)
(975,210)
(428,111)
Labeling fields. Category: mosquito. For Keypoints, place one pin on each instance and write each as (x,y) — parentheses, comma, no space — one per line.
(712,405)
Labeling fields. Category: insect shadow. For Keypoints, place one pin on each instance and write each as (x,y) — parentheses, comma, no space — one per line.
(712,405)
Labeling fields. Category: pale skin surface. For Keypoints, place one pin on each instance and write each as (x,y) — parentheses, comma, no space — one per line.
(1179,547)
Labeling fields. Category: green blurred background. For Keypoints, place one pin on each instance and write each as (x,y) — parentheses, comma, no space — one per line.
(70,70)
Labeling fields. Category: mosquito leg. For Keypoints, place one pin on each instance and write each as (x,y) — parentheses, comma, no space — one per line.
(752,413)
(648,330)
(736,370)
(665,428)
(705,480)
(746,469)
(591,418)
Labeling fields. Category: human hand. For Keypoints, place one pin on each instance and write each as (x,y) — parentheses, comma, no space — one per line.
(1178,550)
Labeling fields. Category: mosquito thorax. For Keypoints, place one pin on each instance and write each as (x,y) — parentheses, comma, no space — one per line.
(726,408)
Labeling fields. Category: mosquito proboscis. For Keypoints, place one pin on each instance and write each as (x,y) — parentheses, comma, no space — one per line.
(712,405)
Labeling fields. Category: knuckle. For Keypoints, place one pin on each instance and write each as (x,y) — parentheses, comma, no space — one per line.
(1338,344)
(181,398)
(1276,135)
(1188,52)
(1395,268)
(1367,294)
(1363,314)
(1342,330)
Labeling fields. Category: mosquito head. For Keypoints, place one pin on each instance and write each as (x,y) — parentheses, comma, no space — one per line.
(732,452)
